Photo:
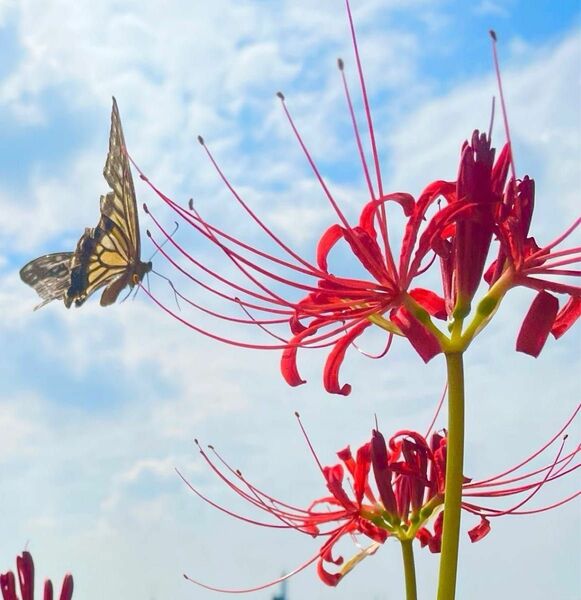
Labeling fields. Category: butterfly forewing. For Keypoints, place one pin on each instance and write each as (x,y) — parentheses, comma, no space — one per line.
(120,205)
(110,251)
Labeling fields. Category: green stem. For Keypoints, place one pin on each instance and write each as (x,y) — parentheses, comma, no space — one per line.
(454,463)
(409,569)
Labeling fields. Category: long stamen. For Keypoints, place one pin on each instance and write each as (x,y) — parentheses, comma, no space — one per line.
(532,456)
(557,240)
(438,409)
(227,511)
(536,489)
(502,102)
(341,66)
(365,101)
(252,214)
(310,343)
(258,587)
(309,443)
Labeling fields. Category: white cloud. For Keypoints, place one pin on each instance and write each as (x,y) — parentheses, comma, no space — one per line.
(134,388)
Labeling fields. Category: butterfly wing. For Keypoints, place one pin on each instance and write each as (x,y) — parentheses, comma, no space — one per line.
(102,257)
(109,254)
(49,275)
(121,205)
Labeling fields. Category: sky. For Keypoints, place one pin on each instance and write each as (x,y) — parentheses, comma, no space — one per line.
(98,406)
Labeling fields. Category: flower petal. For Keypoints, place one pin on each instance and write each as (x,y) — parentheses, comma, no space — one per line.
(481,530)
(537,324)
(382,472)
(434,304)
(362,466)
(25,567)
(48,591)
(334,478)
(288,360)
(567,316)
(335,359)
(367,216)
(326,242)
(423,341)
(8,586)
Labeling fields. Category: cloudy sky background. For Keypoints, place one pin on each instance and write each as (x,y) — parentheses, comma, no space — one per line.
(97,406)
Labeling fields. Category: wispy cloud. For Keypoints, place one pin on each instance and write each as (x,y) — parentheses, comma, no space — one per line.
(98,405)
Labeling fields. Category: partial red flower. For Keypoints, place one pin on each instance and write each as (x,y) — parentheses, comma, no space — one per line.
(392,488)
(324,306)
(523,263)
(25,574)
(480,185)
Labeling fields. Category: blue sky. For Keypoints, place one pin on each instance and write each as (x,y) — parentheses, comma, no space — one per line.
(97,406)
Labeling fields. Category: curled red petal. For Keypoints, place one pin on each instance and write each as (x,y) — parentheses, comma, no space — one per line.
(288,360)
(434,304)
(481,530)
(377,534)
(537,324)
(335,359)
(369,211)
(435,543)
(326,242)
(331,579)
(334,477)
(423,341)
(367,250)
(429,195)
(567,316)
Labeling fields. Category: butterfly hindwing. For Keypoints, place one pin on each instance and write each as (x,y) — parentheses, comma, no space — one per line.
(49,275)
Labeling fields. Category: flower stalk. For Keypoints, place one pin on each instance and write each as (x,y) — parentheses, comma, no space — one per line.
(409,568)
(454,478)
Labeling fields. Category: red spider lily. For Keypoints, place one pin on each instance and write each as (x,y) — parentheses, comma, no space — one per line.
(520,261)
(480,183)
(387,490)
(25,570)
(321,308)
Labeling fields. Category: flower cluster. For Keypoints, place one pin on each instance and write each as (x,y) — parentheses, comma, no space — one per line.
(25,571)
(456,225)
(391,488)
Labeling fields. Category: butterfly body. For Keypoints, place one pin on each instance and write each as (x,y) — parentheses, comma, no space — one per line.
(107,255)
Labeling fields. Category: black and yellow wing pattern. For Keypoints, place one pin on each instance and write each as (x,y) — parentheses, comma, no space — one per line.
(107,255)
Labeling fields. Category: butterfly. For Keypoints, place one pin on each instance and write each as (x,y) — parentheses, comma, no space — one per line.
(108,255)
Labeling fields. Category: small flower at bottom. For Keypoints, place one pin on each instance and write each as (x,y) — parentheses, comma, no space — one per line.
(25,571)
(387,489)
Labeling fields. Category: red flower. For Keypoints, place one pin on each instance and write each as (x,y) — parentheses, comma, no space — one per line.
(25,570)
(523,263)
(392,489)
(324,309)
(480,185)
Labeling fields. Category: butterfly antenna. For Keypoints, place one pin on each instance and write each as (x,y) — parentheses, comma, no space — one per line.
(165,241)
(170,282)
